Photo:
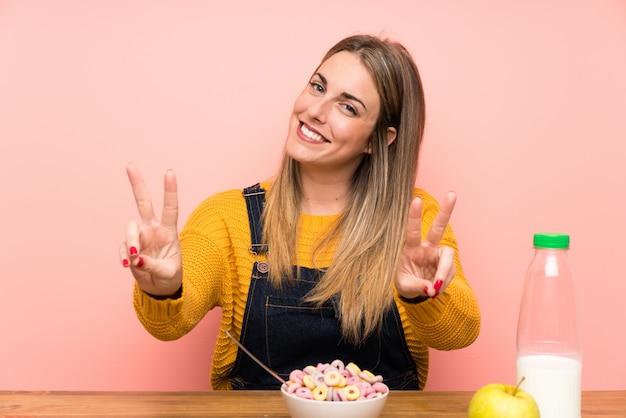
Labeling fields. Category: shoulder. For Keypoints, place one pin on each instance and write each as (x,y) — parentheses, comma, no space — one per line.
(430,205)
(430,208)
(428,201)
(225,205)
(423,194)
(222,201)
(228,199)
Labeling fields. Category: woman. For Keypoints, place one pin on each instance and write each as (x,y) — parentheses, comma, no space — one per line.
(338,257)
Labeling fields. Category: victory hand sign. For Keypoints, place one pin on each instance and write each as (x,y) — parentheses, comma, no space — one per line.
(152,249)
(426,268)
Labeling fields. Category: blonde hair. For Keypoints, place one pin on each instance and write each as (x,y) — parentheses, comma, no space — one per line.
(369,234)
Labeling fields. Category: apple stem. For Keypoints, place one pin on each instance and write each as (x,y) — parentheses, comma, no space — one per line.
(518,385)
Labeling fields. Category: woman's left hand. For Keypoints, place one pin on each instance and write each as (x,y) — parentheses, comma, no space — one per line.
(426,268)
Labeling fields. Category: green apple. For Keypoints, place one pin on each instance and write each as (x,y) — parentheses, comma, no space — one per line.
(502,401)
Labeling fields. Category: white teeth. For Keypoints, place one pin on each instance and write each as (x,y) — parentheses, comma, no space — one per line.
(311,135)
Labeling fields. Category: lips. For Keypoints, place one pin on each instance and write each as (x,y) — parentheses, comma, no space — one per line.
(310,134)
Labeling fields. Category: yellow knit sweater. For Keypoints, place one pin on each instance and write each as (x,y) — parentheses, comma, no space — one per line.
(217,267)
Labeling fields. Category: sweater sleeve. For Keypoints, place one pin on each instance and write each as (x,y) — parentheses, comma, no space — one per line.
(452,320)
(206,245)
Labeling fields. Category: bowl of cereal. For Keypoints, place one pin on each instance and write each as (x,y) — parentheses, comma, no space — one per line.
(331,390)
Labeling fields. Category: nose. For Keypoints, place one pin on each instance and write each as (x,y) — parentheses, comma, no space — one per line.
(318,109)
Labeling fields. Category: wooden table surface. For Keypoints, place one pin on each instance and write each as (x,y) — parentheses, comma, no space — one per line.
(263,404)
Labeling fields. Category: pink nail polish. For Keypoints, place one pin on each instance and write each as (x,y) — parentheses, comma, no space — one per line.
(140,262)
(133,251)
(438,284)
(125,262)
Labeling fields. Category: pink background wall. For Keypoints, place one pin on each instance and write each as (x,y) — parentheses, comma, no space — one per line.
(526,105)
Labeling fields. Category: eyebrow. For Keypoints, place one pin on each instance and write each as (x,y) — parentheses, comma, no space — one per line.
(343,94)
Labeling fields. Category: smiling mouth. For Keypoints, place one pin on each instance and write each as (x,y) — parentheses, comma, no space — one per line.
(313,136)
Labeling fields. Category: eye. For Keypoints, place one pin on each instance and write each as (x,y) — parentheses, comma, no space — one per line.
(316,86)
(351,109)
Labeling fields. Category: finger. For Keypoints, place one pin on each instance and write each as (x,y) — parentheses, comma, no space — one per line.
(140,191)
(415,287)
(154,269)
(170,200)
(442,219)
(132,240)
(123,253)
(143,263)
(445,268)
(414,224)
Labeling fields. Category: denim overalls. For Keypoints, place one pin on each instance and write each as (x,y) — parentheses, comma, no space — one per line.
(287,334)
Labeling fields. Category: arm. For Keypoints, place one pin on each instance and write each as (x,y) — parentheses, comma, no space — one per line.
(168,303)
(204,272)
(450,319)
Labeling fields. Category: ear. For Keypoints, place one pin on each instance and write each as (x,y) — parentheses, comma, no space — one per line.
(391,135)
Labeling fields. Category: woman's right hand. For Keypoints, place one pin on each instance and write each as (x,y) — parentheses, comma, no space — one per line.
(152,249)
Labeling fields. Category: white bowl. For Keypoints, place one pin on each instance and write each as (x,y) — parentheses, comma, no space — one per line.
(307,408)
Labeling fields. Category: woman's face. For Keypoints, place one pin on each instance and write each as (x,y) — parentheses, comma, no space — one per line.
(334,116)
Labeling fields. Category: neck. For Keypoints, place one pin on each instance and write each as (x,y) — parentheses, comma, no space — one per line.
(324,197)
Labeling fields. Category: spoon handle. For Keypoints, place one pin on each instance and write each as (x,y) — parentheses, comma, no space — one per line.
(245,350)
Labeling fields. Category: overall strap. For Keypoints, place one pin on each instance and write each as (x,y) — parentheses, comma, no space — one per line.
(255,201)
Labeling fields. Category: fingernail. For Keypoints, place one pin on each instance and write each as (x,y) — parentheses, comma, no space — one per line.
(438,284)
(435,295)
(133,251)
(140,262)
(125,262)
(426,290)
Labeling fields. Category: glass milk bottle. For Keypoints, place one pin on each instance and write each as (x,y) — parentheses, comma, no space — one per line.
(549,352)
